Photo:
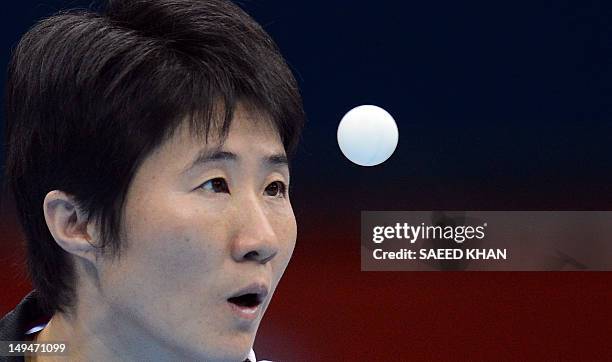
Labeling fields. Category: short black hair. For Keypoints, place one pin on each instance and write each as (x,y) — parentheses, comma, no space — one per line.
(91,93)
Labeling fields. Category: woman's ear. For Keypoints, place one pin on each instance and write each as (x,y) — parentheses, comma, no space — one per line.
(69,226)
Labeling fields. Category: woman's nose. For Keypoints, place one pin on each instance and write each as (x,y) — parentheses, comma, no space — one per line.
(255,239)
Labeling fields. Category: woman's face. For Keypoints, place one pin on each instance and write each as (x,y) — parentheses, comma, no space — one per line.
(204,223)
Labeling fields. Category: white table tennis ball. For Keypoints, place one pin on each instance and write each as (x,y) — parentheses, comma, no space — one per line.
(367,135)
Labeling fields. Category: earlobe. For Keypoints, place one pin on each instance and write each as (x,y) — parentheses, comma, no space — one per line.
(68,225)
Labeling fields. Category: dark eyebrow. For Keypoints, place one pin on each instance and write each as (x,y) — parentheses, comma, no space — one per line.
(278,159)
(216,154)
(205,156)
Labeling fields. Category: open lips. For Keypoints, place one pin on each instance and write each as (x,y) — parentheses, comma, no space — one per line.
(249,297)
(247,300)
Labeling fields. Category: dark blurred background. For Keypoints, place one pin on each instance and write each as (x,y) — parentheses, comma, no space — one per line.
(500,106)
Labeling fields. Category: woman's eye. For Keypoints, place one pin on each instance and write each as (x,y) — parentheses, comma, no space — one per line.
(216,185)
(276,189)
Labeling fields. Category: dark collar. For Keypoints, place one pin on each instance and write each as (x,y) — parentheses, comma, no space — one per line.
(15,324)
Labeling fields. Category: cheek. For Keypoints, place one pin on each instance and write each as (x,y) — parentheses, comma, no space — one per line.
(286,229)
(173,238)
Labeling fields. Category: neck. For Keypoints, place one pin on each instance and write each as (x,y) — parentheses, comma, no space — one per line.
(96,334)
(97,330)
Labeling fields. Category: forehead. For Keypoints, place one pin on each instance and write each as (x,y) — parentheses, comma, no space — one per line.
(250,135)
(251,128)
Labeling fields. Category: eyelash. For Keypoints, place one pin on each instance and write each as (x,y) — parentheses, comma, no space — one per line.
(281,186)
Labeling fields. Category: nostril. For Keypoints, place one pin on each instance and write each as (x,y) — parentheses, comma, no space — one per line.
(251,255)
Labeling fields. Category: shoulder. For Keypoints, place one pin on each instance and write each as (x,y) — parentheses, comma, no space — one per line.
(28,313)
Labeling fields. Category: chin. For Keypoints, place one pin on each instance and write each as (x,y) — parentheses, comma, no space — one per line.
(234,348)
(236,355)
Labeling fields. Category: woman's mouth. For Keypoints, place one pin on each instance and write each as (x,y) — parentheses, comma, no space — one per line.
(246,303)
